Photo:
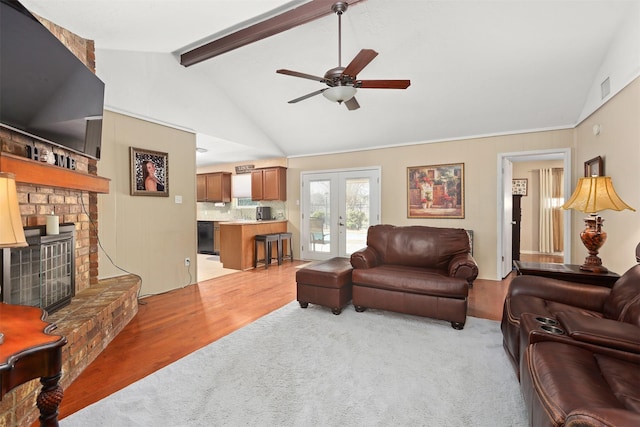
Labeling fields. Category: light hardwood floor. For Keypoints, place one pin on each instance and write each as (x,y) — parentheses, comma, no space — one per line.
(170,326)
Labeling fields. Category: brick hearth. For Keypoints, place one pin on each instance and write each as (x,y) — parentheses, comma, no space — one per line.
(94,317)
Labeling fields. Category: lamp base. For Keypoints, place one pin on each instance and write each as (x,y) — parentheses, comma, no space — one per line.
(600,269)
(593,238)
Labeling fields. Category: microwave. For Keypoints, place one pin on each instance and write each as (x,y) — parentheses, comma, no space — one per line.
(263,213)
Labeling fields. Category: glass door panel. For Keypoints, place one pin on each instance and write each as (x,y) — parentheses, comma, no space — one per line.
(338,208)
(357,213)
(319,215)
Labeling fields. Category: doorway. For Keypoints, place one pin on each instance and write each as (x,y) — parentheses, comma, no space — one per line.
(337,209)
(505,202)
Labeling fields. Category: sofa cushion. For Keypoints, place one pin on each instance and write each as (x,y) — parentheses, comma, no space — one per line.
(623,303)
(418,246)
(412,280)
(530,304)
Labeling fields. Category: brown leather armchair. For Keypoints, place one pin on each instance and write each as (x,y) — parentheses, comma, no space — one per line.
(425,271)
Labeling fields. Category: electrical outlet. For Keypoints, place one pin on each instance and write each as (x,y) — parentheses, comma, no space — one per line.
(187,262)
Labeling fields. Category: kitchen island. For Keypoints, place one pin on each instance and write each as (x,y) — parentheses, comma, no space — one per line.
(237,241)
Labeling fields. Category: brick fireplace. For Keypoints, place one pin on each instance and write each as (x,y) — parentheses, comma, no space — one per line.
(71,205)
(41,274)
(100,309)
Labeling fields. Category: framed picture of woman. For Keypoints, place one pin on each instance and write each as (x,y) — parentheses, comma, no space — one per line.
(149,173)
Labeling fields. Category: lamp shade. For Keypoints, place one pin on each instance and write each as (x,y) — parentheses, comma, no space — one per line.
(339,93)
(595,194)
(11,231)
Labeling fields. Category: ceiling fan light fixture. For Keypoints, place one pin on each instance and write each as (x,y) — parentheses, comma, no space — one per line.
(339,94)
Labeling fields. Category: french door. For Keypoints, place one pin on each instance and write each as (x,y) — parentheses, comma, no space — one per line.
(337,209)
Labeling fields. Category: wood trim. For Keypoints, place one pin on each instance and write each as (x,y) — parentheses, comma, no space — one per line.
(300,15)
(31,172)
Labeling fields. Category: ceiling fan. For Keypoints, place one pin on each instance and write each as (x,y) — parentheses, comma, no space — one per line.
(342,81)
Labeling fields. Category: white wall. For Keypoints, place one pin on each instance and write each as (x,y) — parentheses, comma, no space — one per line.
(621,64)
(619,145)
(149,79)
(479,158)
(148,236)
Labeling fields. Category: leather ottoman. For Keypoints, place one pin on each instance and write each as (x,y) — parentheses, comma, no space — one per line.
(326,283)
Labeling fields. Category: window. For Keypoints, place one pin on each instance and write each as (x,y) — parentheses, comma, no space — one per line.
(245,203)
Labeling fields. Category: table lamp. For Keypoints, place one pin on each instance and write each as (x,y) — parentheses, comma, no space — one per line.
(594,194)
(11,231)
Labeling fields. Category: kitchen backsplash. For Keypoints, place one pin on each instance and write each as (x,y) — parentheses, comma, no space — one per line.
(231,211)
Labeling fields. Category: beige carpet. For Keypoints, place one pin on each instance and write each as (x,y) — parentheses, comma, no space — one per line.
(307,367)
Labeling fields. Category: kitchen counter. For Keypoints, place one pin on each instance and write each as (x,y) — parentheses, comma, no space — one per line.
(237,240)
(251,221)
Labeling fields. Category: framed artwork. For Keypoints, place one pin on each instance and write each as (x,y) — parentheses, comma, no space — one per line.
(594,167)
(519,186)
(149,173)
(435,191)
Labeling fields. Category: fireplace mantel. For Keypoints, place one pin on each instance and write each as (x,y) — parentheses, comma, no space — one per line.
(31,172)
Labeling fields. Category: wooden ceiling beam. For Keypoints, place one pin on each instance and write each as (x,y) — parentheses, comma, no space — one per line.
(300,15)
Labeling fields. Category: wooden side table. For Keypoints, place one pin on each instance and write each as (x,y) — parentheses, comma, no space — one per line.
(29,351)
(568,272)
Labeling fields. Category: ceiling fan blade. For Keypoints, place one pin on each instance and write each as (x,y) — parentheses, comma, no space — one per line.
(361,60)
(352,104)
(382,84)
(309,95)
(302,75)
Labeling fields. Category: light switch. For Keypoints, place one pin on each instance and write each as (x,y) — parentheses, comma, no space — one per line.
(178,199)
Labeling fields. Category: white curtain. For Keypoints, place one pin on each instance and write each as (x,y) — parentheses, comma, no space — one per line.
(551,198)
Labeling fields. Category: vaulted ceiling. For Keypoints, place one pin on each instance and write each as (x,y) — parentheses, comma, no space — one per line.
(476,68)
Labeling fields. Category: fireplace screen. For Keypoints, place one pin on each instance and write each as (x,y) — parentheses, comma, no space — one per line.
(42,274)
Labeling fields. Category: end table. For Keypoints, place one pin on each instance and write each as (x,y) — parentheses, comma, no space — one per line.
(29,351)
(568,272)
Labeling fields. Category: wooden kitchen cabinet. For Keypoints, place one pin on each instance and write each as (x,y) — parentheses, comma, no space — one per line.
(269,184)
(213,187)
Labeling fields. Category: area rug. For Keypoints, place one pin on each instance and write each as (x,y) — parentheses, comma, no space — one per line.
(308,367)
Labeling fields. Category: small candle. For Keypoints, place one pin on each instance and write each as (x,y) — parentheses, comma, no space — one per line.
(53,224)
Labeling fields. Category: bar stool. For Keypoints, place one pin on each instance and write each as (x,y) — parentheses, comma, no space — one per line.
(267,240)
(283,237)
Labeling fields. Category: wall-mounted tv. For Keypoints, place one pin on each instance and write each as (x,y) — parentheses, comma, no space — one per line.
(45,91)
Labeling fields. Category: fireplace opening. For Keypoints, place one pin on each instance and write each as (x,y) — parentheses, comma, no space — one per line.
(43,273)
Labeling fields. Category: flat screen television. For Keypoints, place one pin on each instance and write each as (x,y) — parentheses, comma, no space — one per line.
(46,92)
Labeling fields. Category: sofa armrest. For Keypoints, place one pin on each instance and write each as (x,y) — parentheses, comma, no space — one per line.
(581,295)
(365,258)
(602,417)
(602,332)
(463,266)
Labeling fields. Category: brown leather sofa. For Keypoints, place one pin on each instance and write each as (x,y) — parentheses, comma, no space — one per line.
(547,297)
(576,349)
(419,270)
